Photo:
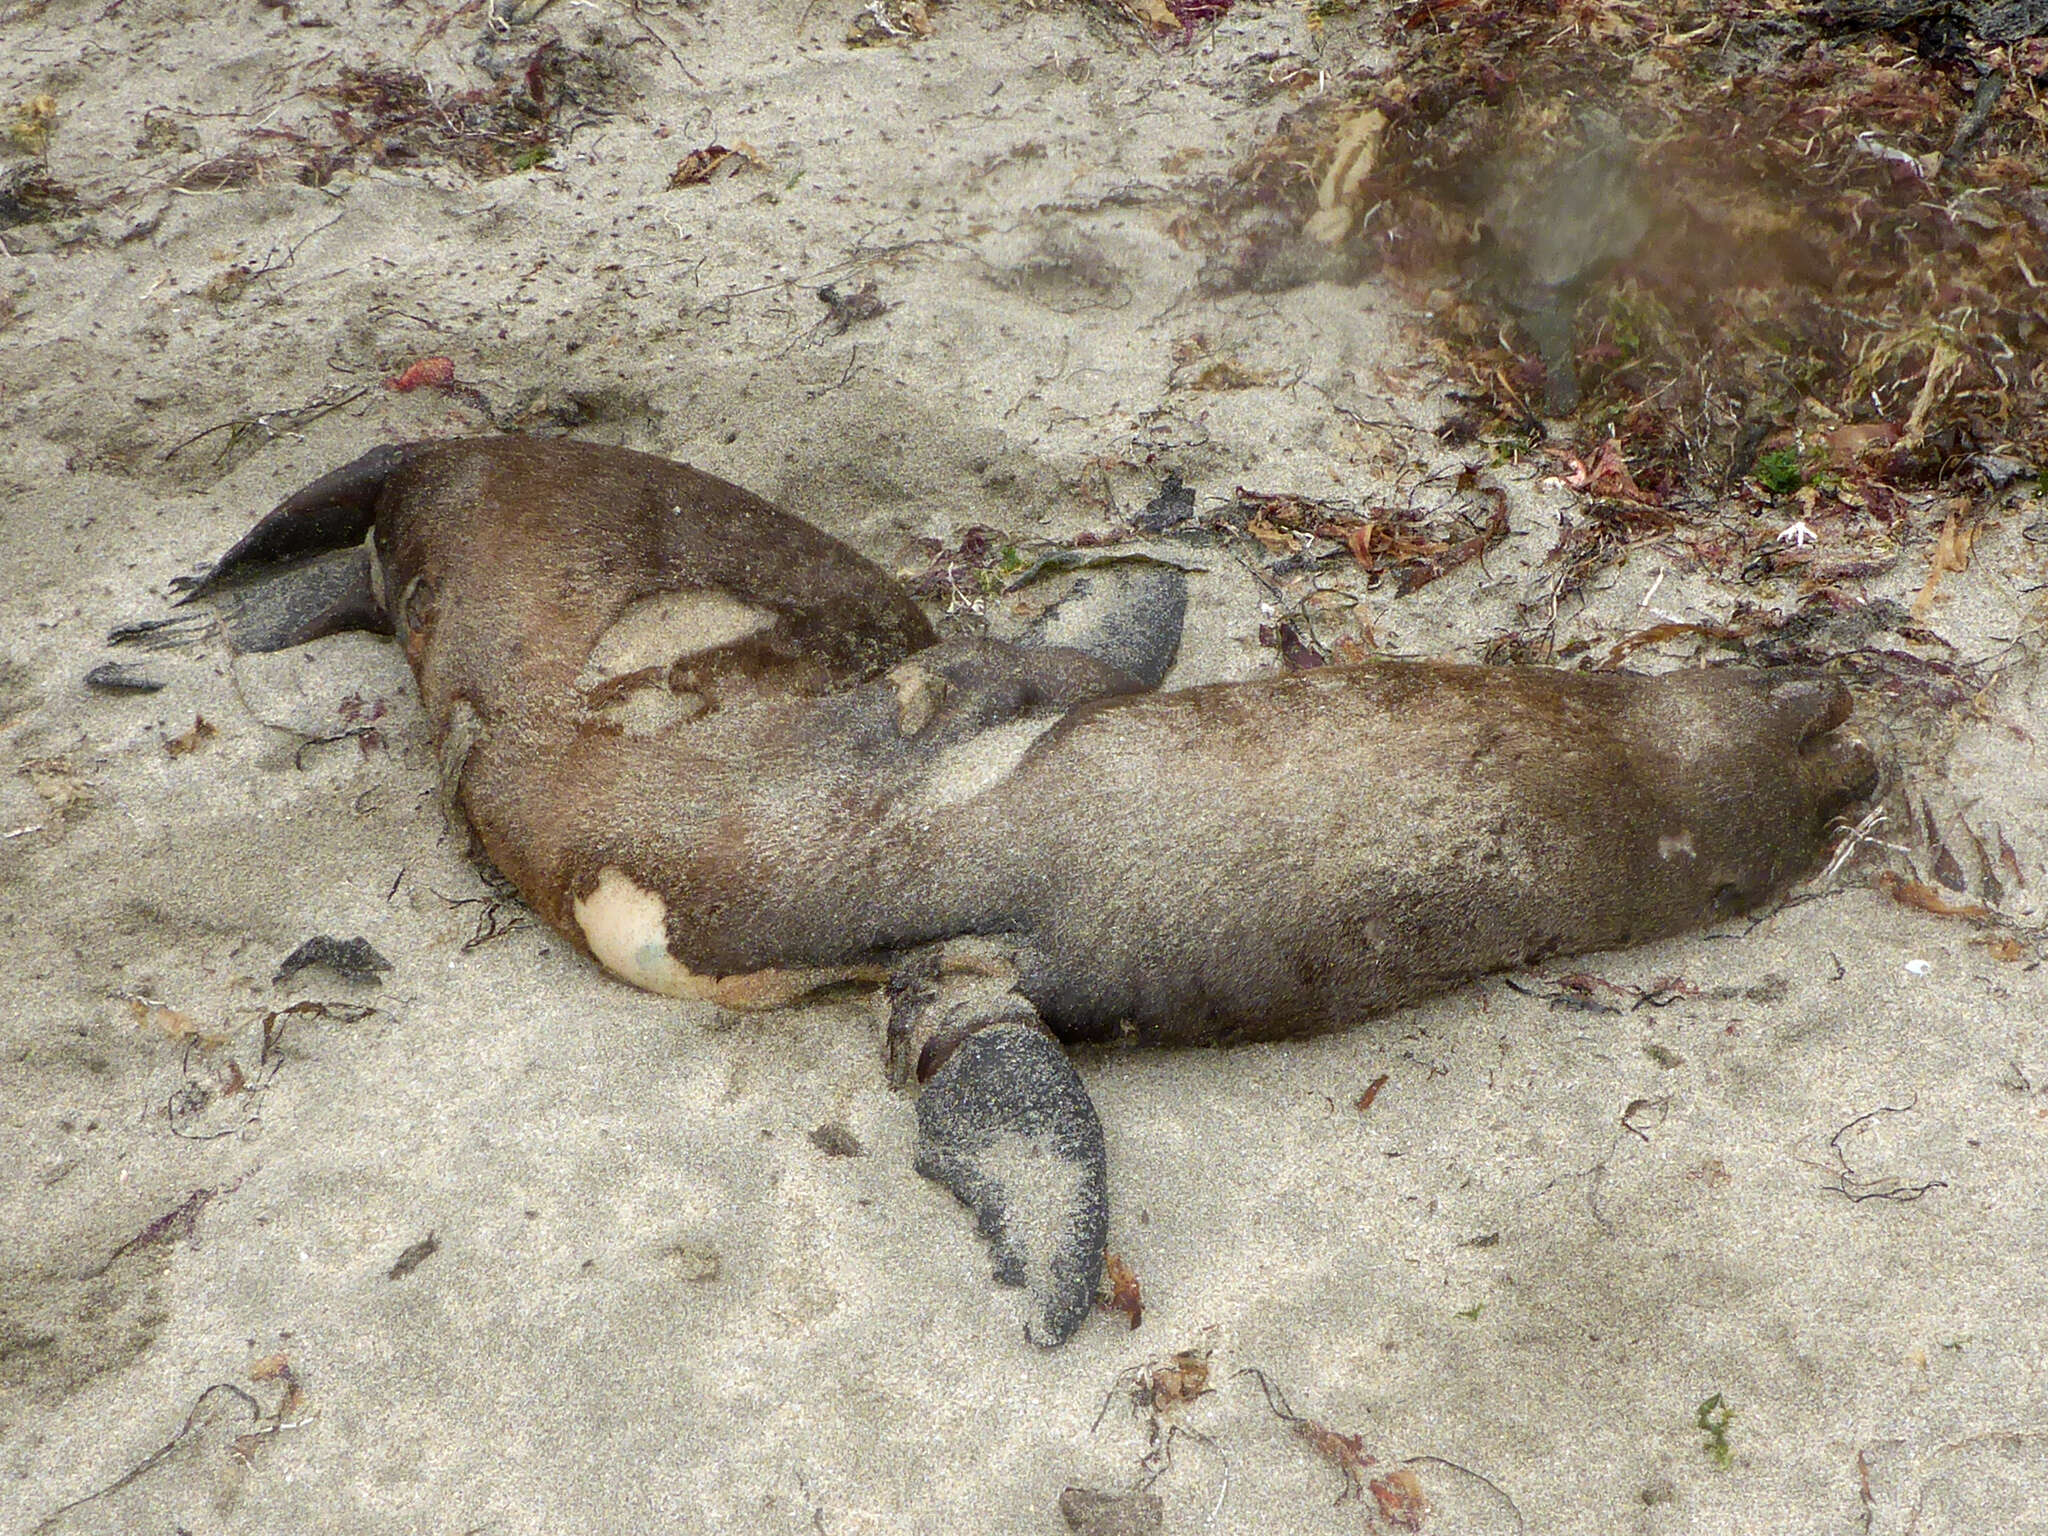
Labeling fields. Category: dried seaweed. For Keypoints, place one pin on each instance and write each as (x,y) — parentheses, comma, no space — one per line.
(1797,233)
(381,115)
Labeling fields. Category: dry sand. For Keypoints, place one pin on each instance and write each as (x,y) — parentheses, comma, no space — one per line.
(653,1301)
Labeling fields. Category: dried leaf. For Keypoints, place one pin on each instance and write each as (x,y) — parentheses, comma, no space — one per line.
(1607,476)
(714,162)
(202,732)
(1183,1378)
(413,1257)
(427,373)
(1925,898)
(1121,1291)
(2009,863)
(1277,540)
(1352,159)
(1951,553)
(1156,14)
(1657,634)
(1399,1496)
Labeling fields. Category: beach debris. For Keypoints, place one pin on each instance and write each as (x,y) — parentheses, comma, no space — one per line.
(1120,1292)
(714,162)
(1174,504)
(1296,653)
(1715,1417)
(881,22)
(1346,1453)
(846,310)
(1786,231)
(28,126)
(275,1367)
(413,1256)
(172,1023)
(1643,1116)
(191,741)
(835,1140)
(1157,1392)
(1408,546)
(1400,1500)
(1159,1388)
(1855,1186)
(1092,1512)
(1925,898)
(1372,1092)
(29,194)
(426,373)
(350,959)
(209,1416)
(122,677)
(178,1222)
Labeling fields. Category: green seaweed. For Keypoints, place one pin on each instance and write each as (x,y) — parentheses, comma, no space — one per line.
(1714,1416)
(1778,471)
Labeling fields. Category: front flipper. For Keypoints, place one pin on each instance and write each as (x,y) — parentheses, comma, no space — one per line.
(1128,614)
(1004,1123)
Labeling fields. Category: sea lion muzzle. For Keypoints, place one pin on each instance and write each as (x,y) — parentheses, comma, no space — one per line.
(729,758)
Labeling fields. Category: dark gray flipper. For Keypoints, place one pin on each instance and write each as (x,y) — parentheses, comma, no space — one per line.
(1004,1122)
(290,604)
(303,571)
(335,511)
(1128,614)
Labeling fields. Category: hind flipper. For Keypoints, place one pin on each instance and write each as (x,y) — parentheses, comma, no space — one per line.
(1004,1122)
(332,513)
(303,571)
(290,604)
(1127,613)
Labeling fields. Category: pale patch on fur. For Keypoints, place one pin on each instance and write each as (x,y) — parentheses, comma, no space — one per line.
(626,927)
(979,764)
(664,627)
(919,693)
(465,730)
(651,710)
(1670,845)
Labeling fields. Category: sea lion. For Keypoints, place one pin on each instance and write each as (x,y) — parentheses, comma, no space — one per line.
(729,758)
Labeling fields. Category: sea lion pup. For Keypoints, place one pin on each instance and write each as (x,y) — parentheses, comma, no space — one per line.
(728,757)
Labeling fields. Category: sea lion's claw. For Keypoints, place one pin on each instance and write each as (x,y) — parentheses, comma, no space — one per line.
(1007,1126)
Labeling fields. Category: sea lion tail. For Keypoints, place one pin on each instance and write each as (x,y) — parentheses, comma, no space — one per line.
(305,570)
(1004,1122)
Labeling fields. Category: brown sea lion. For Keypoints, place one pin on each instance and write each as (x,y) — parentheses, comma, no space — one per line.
(727,757)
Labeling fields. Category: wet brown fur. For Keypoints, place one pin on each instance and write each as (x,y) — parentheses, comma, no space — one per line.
(1224,862)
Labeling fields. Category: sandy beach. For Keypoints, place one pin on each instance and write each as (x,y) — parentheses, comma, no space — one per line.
(1739,1232)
